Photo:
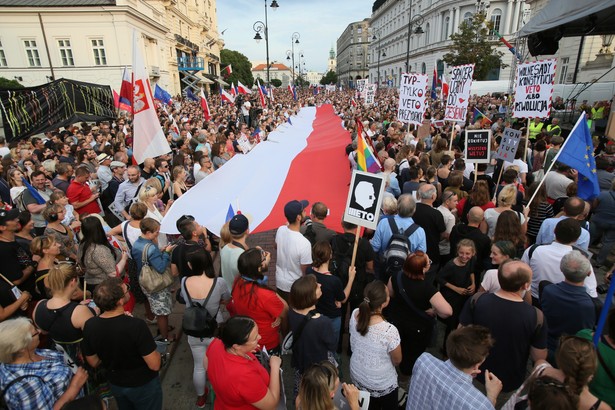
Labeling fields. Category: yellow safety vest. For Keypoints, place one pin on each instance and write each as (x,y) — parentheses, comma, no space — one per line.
(535,129)
(554,129)
(598,114)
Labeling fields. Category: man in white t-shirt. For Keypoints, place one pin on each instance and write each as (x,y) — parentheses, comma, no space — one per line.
(4,150)
(245,112)
(294,251)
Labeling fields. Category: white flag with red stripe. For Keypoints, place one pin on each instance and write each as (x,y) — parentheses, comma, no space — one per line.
(148,138)
(205,106)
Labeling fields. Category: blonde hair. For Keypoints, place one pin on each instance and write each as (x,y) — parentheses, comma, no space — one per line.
(317,384)
(40,244)
(60,276)
(15,336)
(507,196)
(147,192)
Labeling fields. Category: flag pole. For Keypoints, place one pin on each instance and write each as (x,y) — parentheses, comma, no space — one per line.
(582,117)
(453,135)
(527,140)
(498,183)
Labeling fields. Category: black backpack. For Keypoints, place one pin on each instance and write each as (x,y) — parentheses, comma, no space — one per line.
(310,234)
(197,321)
(398,248)
(341,257)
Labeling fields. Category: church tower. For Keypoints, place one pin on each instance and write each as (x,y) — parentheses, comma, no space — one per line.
(331,63)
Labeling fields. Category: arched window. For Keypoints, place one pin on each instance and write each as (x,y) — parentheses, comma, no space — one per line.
(467,17)
(423,68)
(496,20)
(445,28)
(427,27)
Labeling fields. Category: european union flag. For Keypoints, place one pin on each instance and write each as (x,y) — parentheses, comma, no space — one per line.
(190,95)
(230,213)
(161,94)
(578,153)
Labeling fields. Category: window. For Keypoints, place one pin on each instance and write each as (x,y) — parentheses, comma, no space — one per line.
(427,27)
(66,52)
(423,68)
(445,28)
(359,30)
(563,69)
(496,19)
(32,53)
(2,56)
(468,17)
(98,47)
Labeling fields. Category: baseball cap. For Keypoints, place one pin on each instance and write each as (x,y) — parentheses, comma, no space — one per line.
(294,208)
(117,164)
(8,215)
(102,157)
(238,224)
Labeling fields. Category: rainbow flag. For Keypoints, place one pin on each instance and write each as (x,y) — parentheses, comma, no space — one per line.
(366,160)
(478,115)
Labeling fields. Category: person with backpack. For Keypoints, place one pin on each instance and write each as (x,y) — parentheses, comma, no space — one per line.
(315,229)
(202,292)
(395,238)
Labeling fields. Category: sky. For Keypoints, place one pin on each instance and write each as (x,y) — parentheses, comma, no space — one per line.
(318,22)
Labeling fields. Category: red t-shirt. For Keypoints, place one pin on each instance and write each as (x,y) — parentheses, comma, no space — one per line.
(77,192)
(262,305)
(237,381)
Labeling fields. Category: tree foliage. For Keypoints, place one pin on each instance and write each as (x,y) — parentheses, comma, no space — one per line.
(301,82)
(241,66)
(276,82)
(329,78)
(471,45)
(6,84)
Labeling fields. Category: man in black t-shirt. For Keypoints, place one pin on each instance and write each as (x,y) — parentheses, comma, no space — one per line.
(10,251)
(518,327)
(125,347)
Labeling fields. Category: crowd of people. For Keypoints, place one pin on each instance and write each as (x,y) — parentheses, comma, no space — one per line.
(486,282)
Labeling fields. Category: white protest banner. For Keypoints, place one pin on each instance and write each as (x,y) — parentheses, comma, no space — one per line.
(534,89)
(361,86)
(341,403)
(459,93)
(412,97)
(508,146)
(370,93)
(364,199)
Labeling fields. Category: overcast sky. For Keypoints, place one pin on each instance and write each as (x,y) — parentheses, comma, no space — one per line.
(319,23)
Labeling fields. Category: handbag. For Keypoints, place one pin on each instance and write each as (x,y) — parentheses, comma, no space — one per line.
(289,341)
(197,321)
(150,279)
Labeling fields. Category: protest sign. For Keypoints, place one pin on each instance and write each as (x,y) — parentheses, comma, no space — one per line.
(459,93)
(364,199)
(370,93)
(534,89)
(508,146)
(361,87)
(341,402)
(412,97)
(478,144)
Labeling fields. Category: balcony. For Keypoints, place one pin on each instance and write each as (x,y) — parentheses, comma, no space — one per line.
(190,63)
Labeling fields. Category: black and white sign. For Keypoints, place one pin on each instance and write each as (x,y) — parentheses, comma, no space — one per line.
(508,146)
(364,199)
(478,144)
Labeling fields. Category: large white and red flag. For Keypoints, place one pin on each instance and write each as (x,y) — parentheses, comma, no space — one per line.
(148,138)
(125,100)
(205,106)
(260,192)
(242,89)
(226,97)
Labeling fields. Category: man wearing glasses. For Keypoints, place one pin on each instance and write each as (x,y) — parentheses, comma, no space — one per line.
(128,191)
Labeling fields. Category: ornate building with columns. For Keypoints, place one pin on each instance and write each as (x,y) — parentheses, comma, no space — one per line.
(431,24)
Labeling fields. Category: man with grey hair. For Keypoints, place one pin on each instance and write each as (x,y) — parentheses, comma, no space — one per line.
(432,221)
(566,305)
(389,171)
(406,206)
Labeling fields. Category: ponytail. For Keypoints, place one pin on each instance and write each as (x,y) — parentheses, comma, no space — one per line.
(375,295)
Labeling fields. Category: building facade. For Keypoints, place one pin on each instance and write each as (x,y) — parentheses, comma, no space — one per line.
(332,61)
(352,53)
(438,20)
(314,77)
(91,41)
(276,71)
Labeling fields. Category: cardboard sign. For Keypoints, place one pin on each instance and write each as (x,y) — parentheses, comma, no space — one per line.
(508,146)
(459,93)
(370,93)
(342,404)
(534,89)
(364,199)
(412,97)
(478,144)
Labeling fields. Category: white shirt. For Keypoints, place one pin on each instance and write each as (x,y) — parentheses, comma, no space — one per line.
(294,250)
(545,264)
(490,281)
(491,218)
(449,221)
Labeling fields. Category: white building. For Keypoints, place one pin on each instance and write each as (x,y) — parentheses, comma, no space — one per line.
(91,40)
(276,71)
(352,53)
(440,19)
(314,77)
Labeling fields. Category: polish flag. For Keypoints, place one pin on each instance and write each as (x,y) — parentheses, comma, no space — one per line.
(316,136)
(226,71)
(444,90)
(205,106)
(261,94)
(233,91)
(242,89)
(148,138)
(126,91)
(226,96)
(293,91)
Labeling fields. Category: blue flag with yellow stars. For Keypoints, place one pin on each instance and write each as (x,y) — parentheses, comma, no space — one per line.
(578,153)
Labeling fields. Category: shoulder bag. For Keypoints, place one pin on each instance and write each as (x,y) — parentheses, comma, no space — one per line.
(150,279)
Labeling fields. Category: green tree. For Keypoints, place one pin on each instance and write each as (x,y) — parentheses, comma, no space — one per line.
(276,82)
(6,84)
(301,82)
(329,78)
(242,68)
(471,45)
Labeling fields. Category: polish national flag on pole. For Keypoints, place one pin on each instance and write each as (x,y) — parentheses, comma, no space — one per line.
(125,101)
(205,106)
(225,96)
(226,71)
(148,138)
(233,91)
(261,94)
(242,89)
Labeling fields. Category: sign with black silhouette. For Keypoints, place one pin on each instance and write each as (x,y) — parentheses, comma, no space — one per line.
(364,199)
(478,144)
(34,110)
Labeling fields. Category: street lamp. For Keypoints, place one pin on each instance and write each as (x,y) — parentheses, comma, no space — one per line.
(261,27)
(374,37)
(294,39)
(416,20)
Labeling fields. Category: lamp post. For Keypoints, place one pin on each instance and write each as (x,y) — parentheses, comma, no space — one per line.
(412,20)
(259,27)
(377,37)
(294,39)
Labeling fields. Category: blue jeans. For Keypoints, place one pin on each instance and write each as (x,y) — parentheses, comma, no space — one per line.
(337,324)
(607,232)
(146,397)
